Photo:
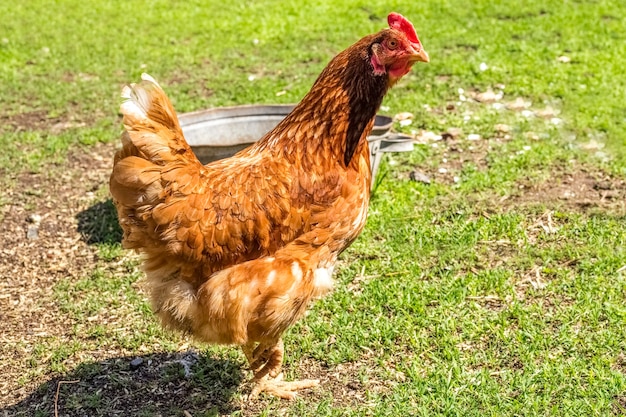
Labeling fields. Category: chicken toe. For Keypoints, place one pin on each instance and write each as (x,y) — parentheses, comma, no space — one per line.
(279,388)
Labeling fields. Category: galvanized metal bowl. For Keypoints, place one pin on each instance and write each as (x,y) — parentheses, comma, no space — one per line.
(221,132)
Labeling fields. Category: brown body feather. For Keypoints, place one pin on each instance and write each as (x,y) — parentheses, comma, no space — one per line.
(234,251)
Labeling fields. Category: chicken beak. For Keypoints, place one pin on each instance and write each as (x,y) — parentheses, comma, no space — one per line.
(419,55)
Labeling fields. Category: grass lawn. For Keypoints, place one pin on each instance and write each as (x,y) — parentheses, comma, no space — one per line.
(496,289)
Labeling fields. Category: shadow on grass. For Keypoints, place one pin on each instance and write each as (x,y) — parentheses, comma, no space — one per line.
(159,384)
(98,224)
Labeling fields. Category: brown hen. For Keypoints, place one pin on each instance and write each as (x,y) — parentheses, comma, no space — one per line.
(235,251)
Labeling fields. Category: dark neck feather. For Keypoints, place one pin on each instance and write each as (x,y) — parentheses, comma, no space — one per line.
(339,107)
(365,95)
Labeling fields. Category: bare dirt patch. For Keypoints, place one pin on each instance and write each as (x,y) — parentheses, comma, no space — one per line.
(39,120)
(580,189)
(40,243)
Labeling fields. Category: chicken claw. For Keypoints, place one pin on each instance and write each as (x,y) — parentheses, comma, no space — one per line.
(277,387)
(266,361)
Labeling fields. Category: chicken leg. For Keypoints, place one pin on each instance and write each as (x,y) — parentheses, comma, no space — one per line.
(266,361)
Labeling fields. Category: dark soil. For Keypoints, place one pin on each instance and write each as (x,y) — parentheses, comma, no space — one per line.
(40,243)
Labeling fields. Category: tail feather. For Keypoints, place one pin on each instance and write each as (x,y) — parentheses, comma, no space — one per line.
(152,125)
(140,180)
(154,162)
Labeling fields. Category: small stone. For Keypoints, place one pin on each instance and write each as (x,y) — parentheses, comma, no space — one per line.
(519,104)
(473,136)
(419,176)
(547,113)
(136,363)
(34,218)
(502,128)
(564,59)
(592,145)
(443,170)
(452,133)
(603,185)
(404,116)
(488,96)
(426,136)
(355,385)
(33,232)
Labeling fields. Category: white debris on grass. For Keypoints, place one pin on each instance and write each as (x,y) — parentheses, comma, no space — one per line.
(519,104)
(592,145)
(461,95)
(502,128)
(547,113)
(488,96)
(404,116)
(425,136)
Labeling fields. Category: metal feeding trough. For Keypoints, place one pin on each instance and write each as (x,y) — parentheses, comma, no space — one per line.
(219,133)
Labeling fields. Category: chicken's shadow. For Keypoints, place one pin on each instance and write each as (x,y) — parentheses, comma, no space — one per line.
(158,384)
(99,224)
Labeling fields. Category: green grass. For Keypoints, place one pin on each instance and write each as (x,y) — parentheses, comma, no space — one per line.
(490,295)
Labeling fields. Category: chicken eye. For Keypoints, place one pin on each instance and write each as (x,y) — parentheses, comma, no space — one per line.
(392,44)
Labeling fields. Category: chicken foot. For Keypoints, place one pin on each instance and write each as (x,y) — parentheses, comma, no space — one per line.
(266,362)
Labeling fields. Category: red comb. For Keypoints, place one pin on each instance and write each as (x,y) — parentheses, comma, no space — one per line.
(401,23)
